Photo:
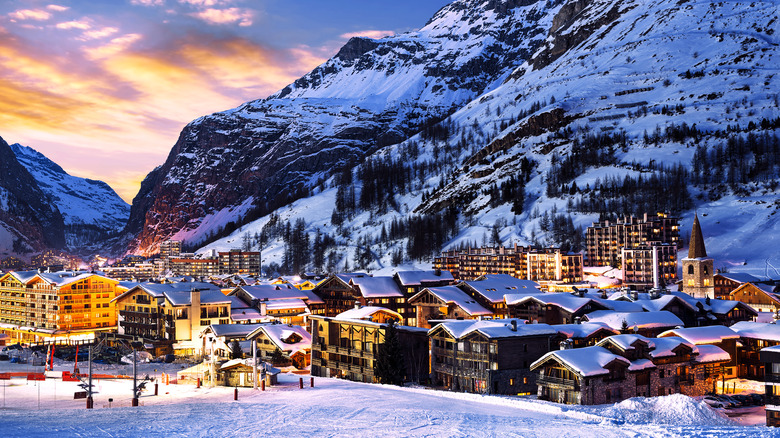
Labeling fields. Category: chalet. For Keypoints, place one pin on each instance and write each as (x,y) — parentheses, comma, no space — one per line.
(488,357)
(347,345)
(726,282)
(217,339)
(552,308)
(382,292)
(489,291)
(754,336)
(241,372)
(282,344)
(761,297)
(281,302)
(583,334)
(647,324)
(717,335)
(337,294)
(686,311)
(770,357)
(624,366)
(446,302)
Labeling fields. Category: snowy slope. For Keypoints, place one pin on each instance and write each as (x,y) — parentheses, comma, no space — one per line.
(90,209)
(630,70)
(337,408)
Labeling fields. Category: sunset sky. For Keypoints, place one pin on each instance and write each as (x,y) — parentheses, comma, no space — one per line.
(103,87)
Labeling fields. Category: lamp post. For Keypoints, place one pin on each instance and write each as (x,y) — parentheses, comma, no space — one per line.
(136,345)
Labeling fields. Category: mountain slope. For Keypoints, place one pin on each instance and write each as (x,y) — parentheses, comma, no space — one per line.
(90,209)
(246,162)
(626,107)
(28,222)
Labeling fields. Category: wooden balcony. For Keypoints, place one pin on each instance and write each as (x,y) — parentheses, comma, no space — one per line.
(558,382)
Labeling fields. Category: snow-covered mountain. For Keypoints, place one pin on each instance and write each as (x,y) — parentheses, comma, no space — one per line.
(248,161)
(90,209)
(28,221)
(613,107)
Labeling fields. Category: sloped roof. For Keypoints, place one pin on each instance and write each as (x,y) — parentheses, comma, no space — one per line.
(453,295)
(582,330)
(243,314)
(696,248)
(232,330)
(65,278)
(288,303)
(712,353)
(712,334)
(183,298)
(365,313)
(377,287)
(495,286)
(740,277)
(566,301)
(757,330)
(586,361)
(280,334)
(635,319)
(417,278)
(493,328)
(273,292)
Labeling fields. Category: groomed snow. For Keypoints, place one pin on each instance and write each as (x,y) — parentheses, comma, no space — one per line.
(336,408)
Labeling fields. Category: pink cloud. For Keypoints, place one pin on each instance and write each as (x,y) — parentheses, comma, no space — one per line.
(225,16)
(375,34)
(57,8)
(83,25)
(30,14)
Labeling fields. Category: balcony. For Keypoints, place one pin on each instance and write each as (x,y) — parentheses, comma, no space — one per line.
(353,352)
(558,382)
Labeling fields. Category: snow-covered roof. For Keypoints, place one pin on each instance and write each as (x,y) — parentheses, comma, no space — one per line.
(635,319)
(365,313)
(494,328)
(757,330)
(244,314)
(566,301)
(64,278)
(664,347)
(184,298)
(703,335)
(453,295)
(377,287)
(22,276)
(288,303)
(417,278)
(712,353)
(273,292)
(495,286)
(289,338)
(231,330)
(626,341)
(582,330)
(586,361)
(740,277)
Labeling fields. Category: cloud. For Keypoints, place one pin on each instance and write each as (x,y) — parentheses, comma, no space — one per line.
(99,33)
(244,17)
(57,8)
(375,34)
(114,47)
(30,14)
(205,3)
(148,2)
(83,25)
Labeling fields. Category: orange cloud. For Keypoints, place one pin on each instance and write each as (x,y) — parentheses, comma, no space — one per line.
(115,113)
(375,34)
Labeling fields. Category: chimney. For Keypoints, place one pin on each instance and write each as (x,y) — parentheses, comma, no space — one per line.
(566,344)
(634,295)
(437,272)
(603,294)
(514,325)
(357,304)
(578,320)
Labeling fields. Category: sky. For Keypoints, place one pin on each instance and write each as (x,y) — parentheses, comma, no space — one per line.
(104,87)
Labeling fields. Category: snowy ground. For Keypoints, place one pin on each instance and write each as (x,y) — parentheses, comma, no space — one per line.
(334,408)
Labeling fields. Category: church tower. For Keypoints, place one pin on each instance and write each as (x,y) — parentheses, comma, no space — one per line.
(698,276)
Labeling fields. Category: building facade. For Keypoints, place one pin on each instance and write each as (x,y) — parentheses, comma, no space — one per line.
(604,240)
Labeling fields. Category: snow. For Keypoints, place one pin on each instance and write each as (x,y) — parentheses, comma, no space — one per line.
(377,287)
(712,353)
(563,300)
(365,313)
(495,286)
(587,361)
(494,328)
(417,278)
(333,408)
(757,330)
(453,295)
(635,319)
(582,330)
(703,335)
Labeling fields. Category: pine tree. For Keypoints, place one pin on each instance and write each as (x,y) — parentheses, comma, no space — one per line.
(235,350)
(389,361)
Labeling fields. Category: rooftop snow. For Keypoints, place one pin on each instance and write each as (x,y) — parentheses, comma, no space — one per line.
(703,335)
(453,295)
(377,287)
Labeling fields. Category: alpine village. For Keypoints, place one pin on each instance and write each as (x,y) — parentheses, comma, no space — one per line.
(566,201)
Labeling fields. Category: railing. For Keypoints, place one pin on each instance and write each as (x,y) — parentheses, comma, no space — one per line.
(557,381)
(349,351)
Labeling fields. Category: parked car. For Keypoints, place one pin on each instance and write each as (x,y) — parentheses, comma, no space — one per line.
(728,401)
(758,399)
(713,402)
(743,399)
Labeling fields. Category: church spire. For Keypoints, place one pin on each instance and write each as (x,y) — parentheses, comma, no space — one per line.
(696,248)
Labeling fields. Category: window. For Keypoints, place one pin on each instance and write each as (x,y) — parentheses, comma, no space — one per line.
(690,269)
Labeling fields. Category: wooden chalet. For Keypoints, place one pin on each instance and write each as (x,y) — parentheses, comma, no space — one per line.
(489,291)
(718,335)
(282,344)
(761,297)
(488,357)
(624,366)
(754,336)
(346,346)
(551,308)
(446,302)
